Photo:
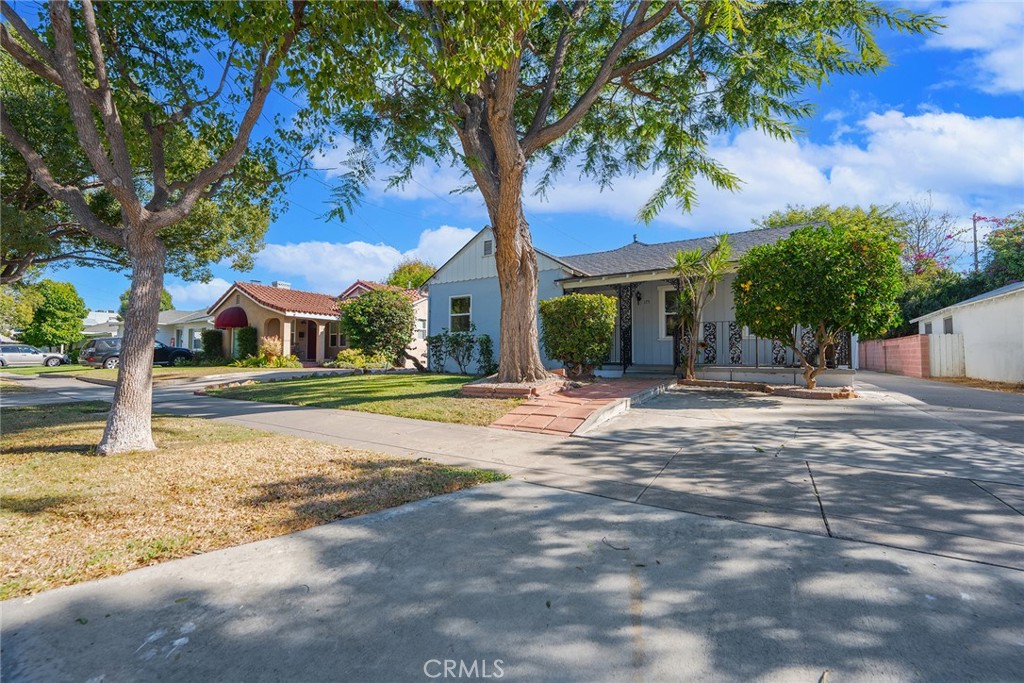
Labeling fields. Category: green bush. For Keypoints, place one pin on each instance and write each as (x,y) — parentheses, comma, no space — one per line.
(461,347)
(264,362)
(213,344)
(354,358)
(437,350)
(248,342)
(379,322)
(578,330)
(201,360)
(485,364)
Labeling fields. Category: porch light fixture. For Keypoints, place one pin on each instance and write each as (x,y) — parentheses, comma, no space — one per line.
(639,297)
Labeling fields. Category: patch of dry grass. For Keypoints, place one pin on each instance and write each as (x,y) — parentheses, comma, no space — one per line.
(67,516)
(421,396)
(10,387)
(1011,387)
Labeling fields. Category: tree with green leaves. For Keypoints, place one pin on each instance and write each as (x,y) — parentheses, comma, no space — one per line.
(162,101)
(506,89)
(699,273)
(411,274)
(166,302)
(1004,261)
(827,279)
(58,320)
(18,303)
(380,322)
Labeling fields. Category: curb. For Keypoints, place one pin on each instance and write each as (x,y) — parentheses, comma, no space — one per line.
(223,378)
(621,405)
(821,393)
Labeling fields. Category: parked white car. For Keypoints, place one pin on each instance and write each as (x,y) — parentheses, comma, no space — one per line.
(23,354)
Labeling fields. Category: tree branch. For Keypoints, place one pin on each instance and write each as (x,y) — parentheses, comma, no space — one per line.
(72,196)
(637,27)
(555,68)
(41,67)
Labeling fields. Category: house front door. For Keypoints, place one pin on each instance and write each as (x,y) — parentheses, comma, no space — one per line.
(311,336)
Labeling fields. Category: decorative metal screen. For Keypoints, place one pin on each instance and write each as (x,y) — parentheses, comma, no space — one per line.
(626,323)
(778,353)
(710,343)
(735,344)
(807,345)
(843,349)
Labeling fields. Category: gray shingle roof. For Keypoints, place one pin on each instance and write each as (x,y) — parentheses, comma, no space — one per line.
(637,256)
(1005,289)
(176,317)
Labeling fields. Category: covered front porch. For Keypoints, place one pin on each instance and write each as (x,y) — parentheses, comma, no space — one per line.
(646,338)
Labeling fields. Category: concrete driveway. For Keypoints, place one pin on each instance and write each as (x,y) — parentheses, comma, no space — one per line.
(875,469)
(538,585)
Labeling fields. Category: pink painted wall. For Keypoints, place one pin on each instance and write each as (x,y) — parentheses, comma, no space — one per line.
(900,356)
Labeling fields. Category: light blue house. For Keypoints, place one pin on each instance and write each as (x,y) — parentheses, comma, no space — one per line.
(465,291)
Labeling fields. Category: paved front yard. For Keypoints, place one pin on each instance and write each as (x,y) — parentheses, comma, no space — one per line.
(420,396)
(68,517)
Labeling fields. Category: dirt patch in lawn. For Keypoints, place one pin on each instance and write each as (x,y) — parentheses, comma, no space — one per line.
(1010,387)
(68,516)
(10,387)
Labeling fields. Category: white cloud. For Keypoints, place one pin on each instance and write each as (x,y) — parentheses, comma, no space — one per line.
(993,32)
(194,295)
(330,267)
(966,163)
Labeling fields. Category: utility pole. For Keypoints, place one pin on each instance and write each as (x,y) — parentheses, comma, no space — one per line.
(974,221)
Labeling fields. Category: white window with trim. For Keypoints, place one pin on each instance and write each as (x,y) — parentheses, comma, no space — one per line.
(421,328)
(460,313)
(668,310)
(334,336)
(488,247)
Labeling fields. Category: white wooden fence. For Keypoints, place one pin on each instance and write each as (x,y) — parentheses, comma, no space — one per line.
(946,355)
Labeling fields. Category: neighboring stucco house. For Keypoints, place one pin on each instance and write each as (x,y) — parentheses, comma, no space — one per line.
(183,329)
(307,322)
(465,291)
(991,327)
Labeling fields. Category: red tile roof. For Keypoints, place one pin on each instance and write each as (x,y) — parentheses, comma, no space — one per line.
(290,300)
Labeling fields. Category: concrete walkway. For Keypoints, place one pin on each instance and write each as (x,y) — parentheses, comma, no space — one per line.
(565,412)
(539,584)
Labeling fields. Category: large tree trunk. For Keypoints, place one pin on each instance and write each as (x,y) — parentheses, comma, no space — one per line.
(516,261)
(129,426)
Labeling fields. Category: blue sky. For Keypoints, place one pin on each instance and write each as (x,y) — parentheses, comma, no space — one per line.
(947,118)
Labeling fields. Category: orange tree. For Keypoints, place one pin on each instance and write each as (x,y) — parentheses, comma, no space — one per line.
(830,280)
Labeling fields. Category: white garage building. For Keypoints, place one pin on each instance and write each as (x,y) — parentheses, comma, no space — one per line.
(991,329)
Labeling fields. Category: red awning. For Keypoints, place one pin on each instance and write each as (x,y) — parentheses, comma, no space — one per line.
(231,317)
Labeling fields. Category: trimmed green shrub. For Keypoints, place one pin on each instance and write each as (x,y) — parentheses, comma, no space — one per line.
(485,364)
(264,362)
(379,322)
(355,358)
(248,342)
(461,347)
(437,350)
(213,344)
(578,330)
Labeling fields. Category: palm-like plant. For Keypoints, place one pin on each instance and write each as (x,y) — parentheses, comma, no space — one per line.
(699,273)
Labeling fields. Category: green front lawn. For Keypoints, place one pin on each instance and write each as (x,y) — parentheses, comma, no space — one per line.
(73,369)
(68,516)
(421,396)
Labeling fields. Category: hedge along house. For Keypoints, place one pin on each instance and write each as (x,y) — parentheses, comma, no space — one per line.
(306,322)
(464,292)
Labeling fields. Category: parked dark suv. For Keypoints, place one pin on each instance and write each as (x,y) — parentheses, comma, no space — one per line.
(106,353)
